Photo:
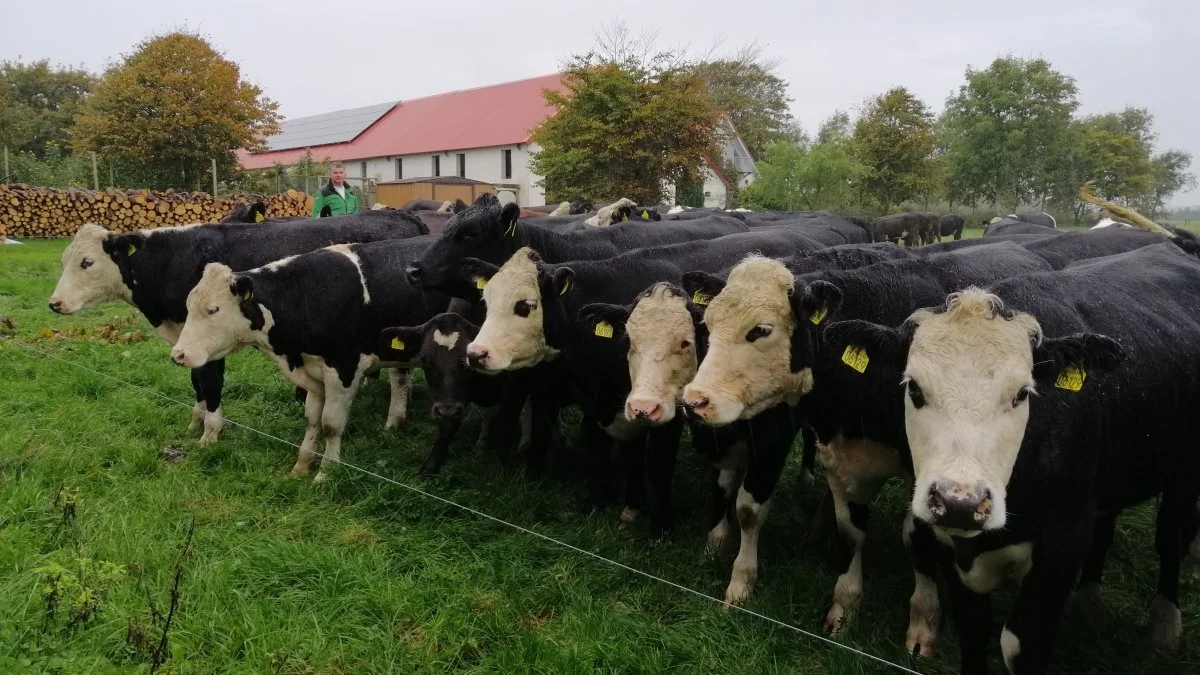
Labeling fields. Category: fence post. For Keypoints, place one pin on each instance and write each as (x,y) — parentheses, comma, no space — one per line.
(7,173)
(95,173)
(214,171)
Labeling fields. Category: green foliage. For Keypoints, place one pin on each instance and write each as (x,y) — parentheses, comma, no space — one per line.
(1004,131)
(818,175)
(37,104)
(170,108)
(746,87)
(1170,175)
(53,168)
(72,595)
(624,131)
(895,137)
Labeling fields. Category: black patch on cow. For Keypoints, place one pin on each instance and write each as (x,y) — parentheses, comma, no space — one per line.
(1089,351)
(523,308)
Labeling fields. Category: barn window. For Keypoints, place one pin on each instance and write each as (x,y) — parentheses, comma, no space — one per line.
(462,165)
(506,164)
(364,169)
(437,165)
(399,168)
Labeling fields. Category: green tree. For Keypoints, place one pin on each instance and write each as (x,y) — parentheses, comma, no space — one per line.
(37,105)
(170,108)
(895,137)
(1004,130)
(625,130)
(803,175)
(1170,175)
(747,87)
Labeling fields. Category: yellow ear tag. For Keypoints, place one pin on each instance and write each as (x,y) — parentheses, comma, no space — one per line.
(512,229)
(856,358)
(397,344)
(245,297)
(132,249)
(258,217)
(566,287)
(1071,378)
(480,283)
(645,215)
(604,329)
(700,299)
(624,218)
(817,317)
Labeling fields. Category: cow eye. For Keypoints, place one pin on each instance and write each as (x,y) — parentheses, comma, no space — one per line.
(762,330)
(523,308)
(1021,397)
(87,262)
(915,393)
(685,344)
(213,309)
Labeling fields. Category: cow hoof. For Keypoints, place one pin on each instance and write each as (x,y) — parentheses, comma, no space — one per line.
(835,620)
(629,515)
(320,477)
(716,538)
(429,469)
(207,439)
(395,423)
(920,639)
(1166,624)
(738,592)
(300,471)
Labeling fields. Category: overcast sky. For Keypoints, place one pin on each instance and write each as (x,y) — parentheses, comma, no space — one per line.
(315,57)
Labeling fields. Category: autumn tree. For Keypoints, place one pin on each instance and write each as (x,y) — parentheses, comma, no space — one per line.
(38,102)
(1004,130)
(626,129)
(746,85)
(895,137)
(169,108)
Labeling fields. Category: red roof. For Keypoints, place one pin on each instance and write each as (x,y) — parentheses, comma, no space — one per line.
(484,117)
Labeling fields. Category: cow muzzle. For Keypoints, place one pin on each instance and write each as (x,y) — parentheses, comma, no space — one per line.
(958,506)
(446,410)
(642,409)
(56,306)
(413,274)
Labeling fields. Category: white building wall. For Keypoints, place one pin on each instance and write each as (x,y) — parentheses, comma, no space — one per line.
(485,164)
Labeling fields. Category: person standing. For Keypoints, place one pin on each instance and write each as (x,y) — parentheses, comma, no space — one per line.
(336,198)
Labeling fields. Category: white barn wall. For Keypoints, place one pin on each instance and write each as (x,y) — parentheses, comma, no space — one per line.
(483,164)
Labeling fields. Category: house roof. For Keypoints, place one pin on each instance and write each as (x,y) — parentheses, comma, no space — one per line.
(483,117)
(334,127)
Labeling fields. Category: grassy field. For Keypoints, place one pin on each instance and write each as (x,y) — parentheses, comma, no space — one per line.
(100,481)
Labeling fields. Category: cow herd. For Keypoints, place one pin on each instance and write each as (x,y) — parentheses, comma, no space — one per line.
(1028,385)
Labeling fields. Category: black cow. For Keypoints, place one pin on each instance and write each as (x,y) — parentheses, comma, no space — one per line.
(1069,247)
(319,316)
(952,225)
(1008,226)
(246,213)
(1112,346)
(913,227)
(1041,218)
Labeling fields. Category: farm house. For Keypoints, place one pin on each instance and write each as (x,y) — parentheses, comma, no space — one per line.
(481,134)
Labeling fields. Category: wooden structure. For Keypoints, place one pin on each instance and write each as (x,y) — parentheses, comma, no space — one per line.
(397,193)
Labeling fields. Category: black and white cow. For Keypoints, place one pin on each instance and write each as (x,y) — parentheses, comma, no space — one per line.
(154,270)
(1040,218)
(1036,411)
(319,316)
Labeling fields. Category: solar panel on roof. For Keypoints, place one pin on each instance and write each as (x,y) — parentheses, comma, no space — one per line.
(335,127)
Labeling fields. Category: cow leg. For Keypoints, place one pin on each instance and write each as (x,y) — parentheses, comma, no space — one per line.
(1088,594)
(1195,547)
(808,458)
(1166,623)
(210,379)
(447,430)
(198,409)
(488,415)
(543,419)
(762,475)
(972,620)
(597,446)
(1029,634)
(335,414)
(727,475)
(633,456)
(401,385)
(664,450)
(313,404)
(924,609)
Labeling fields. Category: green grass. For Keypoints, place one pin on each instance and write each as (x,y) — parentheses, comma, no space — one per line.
(361,576)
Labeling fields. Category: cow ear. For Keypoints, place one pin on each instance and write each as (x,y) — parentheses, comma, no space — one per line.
(459,206)
(604,320)
(702,287)
(259,212)
(562,280)
(508,219)
(124,245)
(816,302)
(1066,362)
(401,343)
(860,344)
(242,288)
(480,272)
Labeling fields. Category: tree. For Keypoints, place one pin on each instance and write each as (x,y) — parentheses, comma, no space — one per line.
(37,105)
(1169,172)
(170,108)
(625,130)
(746,86)
(1004,130)
(895,137)
(799,174)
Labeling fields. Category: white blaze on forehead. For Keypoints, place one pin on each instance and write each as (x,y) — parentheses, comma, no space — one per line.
(511,340)
(209,336)
(742,378)
(444,340)
(970,363)
(659,364)
(79,288)
(345,250)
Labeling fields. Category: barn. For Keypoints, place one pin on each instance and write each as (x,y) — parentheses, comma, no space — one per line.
(482,134)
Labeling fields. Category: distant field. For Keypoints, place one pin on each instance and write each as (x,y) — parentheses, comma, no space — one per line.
(359,576)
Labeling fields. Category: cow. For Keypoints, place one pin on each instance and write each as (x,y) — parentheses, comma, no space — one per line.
(326,347)
(1069,247)
(912,227)
(438,206)
(1036,411)
(1041,218)
(154,269)
(1107,221)
(246,213)
(1006,226)
(766,335)
(952,225)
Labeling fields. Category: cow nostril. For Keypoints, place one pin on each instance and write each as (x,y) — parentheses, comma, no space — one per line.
(937,505)
(696,404)
(414,274)
(56,306)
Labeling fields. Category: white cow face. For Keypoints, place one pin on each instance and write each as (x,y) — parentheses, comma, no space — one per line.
(662,354)
(512,335)
(748,365)
(971,374)
(89,276)
(216,324)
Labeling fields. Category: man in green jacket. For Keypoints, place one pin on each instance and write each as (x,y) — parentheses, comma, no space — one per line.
(336,198)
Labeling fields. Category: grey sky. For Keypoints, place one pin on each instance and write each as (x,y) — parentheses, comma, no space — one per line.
(314,57)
